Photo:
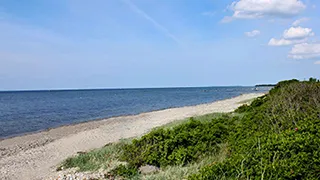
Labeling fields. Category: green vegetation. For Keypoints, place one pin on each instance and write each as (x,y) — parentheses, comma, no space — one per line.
(175,172)
(204,118)
(108,156)
(181,145)
(105,158)
(125,171)
(277,136)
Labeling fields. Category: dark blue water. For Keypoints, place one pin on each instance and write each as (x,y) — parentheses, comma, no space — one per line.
(29,111)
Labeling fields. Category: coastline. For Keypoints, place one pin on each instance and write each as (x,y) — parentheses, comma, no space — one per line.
(110,117)
(35,155)
(103,119)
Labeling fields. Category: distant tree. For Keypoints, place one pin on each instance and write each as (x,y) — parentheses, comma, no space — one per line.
(313,79)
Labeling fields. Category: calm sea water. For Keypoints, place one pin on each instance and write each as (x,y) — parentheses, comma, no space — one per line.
(30,111)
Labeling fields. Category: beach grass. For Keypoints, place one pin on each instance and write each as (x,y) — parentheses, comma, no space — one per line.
(182,172)
(105,158)
(108,158)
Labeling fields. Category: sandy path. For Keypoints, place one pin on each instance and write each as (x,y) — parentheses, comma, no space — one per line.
(35,156)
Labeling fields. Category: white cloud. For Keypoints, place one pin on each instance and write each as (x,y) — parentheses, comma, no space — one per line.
(299,21)
(252,9)
(253,33)
(279,42)
(297,33)
(293,35)
(305,51)
(317,62)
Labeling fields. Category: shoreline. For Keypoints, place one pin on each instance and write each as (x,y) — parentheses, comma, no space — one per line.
(35,155)
(102,119)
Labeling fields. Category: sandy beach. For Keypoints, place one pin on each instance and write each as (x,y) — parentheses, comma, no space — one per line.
(35,156)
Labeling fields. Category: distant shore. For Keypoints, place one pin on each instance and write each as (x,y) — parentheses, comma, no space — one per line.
(35,156)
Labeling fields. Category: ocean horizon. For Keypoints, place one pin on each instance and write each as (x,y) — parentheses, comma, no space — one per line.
(115,88)
(27,111)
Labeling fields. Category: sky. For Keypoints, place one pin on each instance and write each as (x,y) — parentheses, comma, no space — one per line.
(67,44)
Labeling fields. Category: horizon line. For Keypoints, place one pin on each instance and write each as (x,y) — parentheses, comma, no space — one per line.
(115,88)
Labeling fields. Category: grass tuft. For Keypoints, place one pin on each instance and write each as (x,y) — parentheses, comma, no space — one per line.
(183,172)
(106,158)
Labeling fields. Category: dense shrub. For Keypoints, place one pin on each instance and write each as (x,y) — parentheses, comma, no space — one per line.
(255,103)
(180,145)
(124,171)
(277,138)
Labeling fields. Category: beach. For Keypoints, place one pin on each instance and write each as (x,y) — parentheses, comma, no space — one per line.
(36,156)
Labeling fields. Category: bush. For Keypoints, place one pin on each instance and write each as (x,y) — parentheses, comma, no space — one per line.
(124,171)
(255,103)
(177,146)
(277,138)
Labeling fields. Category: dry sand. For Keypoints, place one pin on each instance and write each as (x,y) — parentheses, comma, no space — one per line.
(35,156)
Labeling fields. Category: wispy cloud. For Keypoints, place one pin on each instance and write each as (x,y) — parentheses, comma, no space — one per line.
(299,21)
(160,27)
(253,33)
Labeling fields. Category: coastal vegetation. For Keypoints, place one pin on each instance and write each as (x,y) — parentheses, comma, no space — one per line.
(276,136)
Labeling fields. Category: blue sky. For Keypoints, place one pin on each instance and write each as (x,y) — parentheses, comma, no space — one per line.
(152,43)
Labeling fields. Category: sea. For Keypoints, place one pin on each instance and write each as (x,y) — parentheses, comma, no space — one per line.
(23,112)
